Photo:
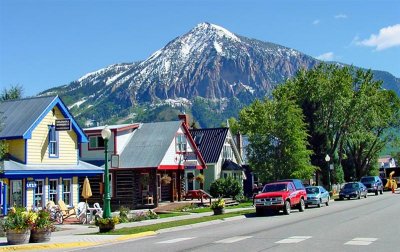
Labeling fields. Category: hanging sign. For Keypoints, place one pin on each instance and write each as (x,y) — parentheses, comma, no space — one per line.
(63,124)
(31,184)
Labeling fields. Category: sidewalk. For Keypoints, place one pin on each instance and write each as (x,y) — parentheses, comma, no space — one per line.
(78,235)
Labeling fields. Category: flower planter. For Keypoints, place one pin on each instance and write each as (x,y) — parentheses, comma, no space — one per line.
(15,236)
(219,211)
(103,228)
(40,235)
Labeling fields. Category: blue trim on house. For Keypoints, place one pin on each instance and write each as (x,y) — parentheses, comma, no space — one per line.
(64,110)
(37,174)
(26,152)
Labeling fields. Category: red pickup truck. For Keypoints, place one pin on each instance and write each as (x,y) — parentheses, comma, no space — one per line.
(278,196)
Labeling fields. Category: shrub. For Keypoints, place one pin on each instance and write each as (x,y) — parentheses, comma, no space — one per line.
(123,214)
(43,222)
(228,187)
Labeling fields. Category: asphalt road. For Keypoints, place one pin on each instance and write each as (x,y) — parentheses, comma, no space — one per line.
(370,224)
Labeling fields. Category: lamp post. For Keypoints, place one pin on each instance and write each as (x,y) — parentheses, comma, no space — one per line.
(327,159)
(106,134)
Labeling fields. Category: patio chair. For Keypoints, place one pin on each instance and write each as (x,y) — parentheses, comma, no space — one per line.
(98,209)
(66,211)
(82,212)
(147,198)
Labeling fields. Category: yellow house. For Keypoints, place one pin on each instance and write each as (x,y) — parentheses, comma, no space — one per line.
(42,162)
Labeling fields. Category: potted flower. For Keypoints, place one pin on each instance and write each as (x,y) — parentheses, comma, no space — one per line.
(165,179)
(42,228)
(200,178)
(106,224)
(218,206)
(17,225)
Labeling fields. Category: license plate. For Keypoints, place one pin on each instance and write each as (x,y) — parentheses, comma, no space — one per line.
(347,195)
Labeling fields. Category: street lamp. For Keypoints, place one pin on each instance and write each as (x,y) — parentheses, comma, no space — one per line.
(106,134)
(327,159)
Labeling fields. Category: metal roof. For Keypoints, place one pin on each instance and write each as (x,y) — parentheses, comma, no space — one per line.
(210,142)
(17,116)
(148,145)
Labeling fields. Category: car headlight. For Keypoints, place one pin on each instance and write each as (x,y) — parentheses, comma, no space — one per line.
(258,200)
(278,198)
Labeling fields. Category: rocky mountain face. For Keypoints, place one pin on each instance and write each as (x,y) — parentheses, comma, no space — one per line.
(208,63)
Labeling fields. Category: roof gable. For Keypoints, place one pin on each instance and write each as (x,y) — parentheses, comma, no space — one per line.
(148,145)
(20,117)
(210,142)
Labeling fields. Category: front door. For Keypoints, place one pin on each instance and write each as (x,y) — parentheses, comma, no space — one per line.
(16,193)
(190,181)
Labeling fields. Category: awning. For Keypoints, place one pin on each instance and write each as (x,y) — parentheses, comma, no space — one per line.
(229,165)
(13,169)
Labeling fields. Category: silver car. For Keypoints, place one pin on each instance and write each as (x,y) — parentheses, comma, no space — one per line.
(317,195)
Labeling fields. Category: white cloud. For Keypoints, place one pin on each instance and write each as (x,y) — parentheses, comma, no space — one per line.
(387,37)
(340,16)
(315,22)
(326,56)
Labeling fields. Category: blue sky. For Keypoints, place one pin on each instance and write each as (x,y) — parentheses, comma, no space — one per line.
(47,43)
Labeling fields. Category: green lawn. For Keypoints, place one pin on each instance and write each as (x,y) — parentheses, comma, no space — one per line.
(177,223)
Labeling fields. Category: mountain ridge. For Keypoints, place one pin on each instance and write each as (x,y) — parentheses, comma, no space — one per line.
(208,62)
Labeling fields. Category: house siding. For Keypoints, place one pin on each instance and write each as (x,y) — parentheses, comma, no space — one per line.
(16,148)
(38,144)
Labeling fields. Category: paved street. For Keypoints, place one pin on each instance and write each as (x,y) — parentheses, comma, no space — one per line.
(370,224)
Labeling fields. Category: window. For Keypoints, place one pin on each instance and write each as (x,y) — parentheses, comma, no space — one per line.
(66,193)
(53,190)
(53,142)
(96,142)
(16,193)
(39,202)
(180,143)
(227,152)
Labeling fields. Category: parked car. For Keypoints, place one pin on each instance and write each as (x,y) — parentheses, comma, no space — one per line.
(374,184)
(280,196)
(353,190)
(317,195)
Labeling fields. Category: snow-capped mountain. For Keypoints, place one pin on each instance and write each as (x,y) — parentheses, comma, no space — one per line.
(208,61)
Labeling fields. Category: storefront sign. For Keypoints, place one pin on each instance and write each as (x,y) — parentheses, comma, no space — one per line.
(63,124)
(31,184)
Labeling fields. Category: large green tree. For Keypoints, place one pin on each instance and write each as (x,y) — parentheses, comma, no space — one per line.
(348,115)
(277,139)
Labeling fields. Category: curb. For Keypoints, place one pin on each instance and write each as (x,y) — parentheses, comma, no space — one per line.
(43,246)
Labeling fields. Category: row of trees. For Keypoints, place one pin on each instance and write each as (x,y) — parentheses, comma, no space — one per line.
(330,109)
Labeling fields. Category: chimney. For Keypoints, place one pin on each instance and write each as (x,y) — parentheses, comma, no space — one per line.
(184,118)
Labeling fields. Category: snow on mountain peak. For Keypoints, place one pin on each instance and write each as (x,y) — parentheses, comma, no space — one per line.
(220,31)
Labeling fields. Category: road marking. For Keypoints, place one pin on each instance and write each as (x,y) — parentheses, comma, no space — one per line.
(233,239)
(177,240)
(361,241)
(294,239)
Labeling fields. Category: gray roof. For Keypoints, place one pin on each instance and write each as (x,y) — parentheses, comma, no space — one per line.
(148,145)
(17,116)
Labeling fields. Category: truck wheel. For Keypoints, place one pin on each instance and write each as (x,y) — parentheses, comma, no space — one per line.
(287,208)
(302,205)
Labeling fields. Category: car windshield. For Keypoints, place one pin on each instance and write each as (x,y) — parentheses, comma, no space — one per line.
(350,186)
(367,179)
(312,190)
(274,187)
